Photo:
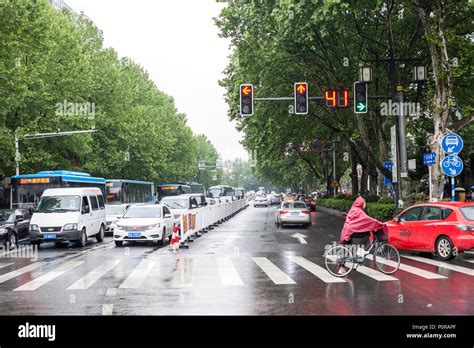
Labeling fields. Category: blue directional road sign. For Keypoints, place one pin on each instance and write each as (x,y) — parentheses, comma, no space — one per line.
(452,165)
(386,180)
(429,158)
(452,144)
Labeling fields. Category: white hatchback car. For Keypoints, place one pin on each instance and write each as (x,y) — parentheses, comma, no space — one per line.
(144,223)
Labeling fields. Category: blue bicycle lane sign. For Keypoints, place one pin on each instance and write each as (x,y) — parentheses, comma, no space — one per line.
(452,165)
(452,144)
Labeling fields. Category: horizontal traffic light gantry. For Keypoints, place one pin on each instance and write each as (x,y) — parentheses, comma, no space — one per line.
(246,100)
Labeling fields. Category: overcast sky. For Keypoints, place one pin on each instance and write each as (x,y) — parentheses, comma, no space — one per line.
(176,42)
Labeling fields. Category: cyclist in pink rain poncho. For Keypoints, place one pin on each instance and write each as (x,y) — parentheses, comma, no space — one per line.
(357,221)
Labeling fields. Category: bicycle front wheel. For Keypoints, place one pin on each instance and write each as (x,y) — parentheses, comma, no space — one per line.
(339,261)
(387,258)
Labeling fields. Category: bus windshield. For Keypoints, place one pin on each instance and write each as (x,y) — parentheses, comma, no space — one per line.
(54,204)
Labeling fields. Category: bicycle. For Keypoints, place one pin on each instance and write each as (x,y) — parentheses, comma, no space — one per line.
(340,261)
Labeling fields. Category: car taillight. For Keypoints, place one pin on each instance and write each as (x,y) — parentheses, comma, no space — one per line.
(283,212)
(466,228)
(306,212)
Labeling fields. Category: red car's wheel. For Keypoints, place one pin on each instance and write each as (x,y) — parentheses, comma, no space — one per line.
(444,248)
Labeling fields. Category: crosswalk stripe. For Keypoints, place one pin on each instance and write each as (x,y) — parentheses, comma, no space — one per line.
(272,271)
(107,309)
(227,272)
(318,271)
(469,260)
(31,267)
(441,264)
(45,278)
(2,265)
(90,278)
(137,277)
(369,272)
(410,269)
(372,273)
(183,277)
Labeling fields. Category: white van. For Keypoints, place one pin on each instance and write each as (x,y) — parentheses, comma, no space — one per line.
(69,214)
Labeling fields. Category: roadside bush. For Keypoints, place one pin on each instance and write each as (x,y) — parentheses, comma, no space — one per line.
(341,196)
(371,198)
(380,211)
(386,200)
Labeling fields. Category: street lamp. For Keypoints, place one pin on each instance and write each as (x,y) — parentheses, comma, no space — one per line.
(365,74)
(41,136)
(419,73)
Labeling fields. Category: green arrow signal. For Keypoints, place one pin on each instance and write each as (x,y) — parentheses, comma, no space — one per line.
(361,106)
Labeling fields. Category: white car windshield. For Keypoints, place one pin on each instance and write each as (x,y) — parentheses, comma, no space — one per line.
(176,203)
(143,213)
(55,204)
(115,209)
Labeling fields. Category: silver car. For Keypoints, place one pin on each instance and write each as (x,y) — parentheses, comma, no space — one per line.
(261,200)
(293,213)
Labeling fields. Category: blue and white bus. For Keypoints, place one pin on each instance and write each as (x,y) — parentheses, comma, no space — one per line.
(122,191)
(28,188)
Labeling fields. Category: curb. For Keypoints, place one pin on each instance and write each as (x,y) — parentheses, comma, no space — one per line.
(330,211)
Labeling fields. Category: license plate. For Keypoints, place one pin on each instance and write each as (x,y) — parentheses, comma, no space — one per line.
(295,213)
(49,236)
(134,234)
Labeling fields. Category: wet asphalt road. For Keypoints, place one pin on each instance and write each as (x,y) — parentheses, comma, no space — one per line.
(245,266)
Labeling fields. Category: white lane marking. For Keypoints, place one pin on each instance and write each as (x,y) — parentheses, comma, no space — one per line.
(441,264)
(318,271)
(7,276)
(2,265)
(137,277)
(90,278)
(107,309)
(410,269)
(469,252)
(47,277)
(469,260)
(227,272)
(372,273)
(369,272)
(272,271)
(183,277)
(111,292)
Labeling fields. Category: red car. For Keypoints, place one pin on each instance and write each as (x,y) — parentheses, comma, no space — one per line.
(440,227)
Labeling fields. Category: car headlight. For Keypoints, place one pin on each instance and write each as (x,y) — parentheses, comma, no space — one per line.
(34,228)
(153,226)
(119,227)
(3,230)
(70,227)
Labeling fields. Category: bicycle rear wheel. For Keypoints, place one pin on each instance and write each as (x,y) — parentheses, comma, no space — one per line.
(339,261)
(387,258)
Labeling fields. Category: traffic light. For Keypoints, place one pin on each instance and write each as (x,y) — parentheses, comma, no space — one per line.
(246,100)
(336,98)
(360,98)
(301,98)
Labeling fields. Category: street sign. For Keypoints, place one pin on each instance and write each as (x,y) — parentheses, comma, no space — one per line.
(452,165)
(387,180)
(301,98)
(360,98)
(452,144)
(318,146)
(246,100)
(429,158)
(412,164)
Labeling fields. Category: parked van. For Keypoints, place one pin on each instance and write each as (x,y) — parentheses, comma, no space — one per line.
(69,214)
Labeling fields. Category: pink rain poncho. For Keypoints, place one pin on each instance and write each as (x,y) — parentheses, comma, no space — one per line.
(358,221)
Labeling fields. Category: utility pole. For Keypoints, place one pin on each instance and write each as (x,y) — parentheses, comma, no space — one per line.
(402,141)
(334,164)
